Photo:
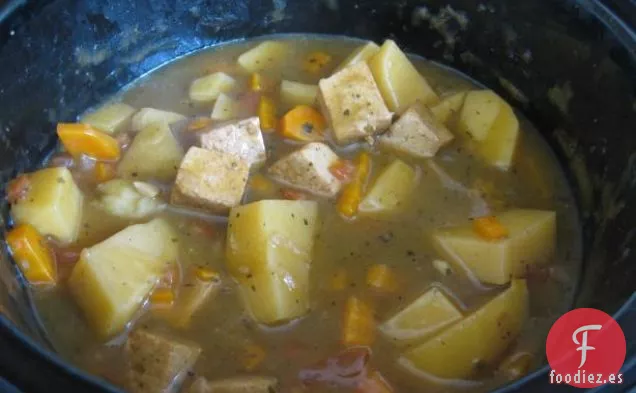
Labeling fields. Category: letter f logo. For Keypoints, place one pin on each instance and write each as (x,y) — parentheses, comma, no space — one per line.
(583,344)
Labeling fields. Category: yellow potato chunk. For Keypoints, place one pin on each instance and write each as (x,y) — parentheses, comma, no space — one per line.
(448,106)
(149,116)
(399,81)
(531,241)
(492,125)
(225,108)
(391,192)
(110,118)
(209,87)
(153,154)
(427,315)
(269,252)
(266,55)
(52,204)
(479,113)
(113,278)
(362,53)
(476,341)
(295,93)
(498,149)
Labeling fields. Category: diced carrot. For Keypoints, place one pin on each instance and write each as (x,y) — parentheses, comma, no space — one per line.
(489,228)
(339,280)
(303,123)
(31,253)
(374,383)
(104,171)
(162,298)
(79,138)
(343,170)
(199,123)
(382,278)
(267,113)
(261,183)
(316,62)
(358,327)
(352,192)
(253,356)
(293,195)
(206,274)
(18,188)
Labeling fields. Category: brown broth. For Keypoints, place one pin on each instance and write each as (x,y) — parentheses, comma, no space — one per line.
(221,327)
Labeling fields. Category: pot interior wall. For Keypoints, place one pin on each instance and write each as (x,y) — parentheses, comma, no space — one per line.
(572,74)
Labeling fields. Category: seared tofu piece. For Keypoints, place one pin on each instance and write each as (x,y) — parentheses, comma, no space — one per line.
(417,133)
(249,384)
(210,180)
(157,363)
(308,169)
(353,104)
(242,139)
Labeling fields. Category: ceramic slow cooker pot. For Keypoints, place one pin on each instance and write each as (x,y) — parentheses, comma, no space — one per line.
(569,66)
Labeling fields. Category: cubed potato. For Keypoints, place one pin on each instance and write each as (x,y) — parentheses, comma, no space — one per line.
(499,148)
(113,278)
(492,125)
(127,199)
(308,169)
(52,204)
(264,56)
(448,106)
(225,108)
(194,292)
(399,81)
(210,180)
(481,109)
(424,317)
(391,192)
(478,340)
(149,116)
(153,154)
(269,252)
(247,384)
(111,118)
(157,363)
(416,133)
(361,54)
(243,139)
(208,88)
(295,93)
(531,242)
(353,104)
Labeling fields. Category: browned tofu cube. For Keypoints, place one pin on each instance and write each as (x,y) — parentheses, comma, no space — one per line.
(248,384)
(308,169)
(157,363)
(352,102)
(242,138)
(416,133)
(210,180)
